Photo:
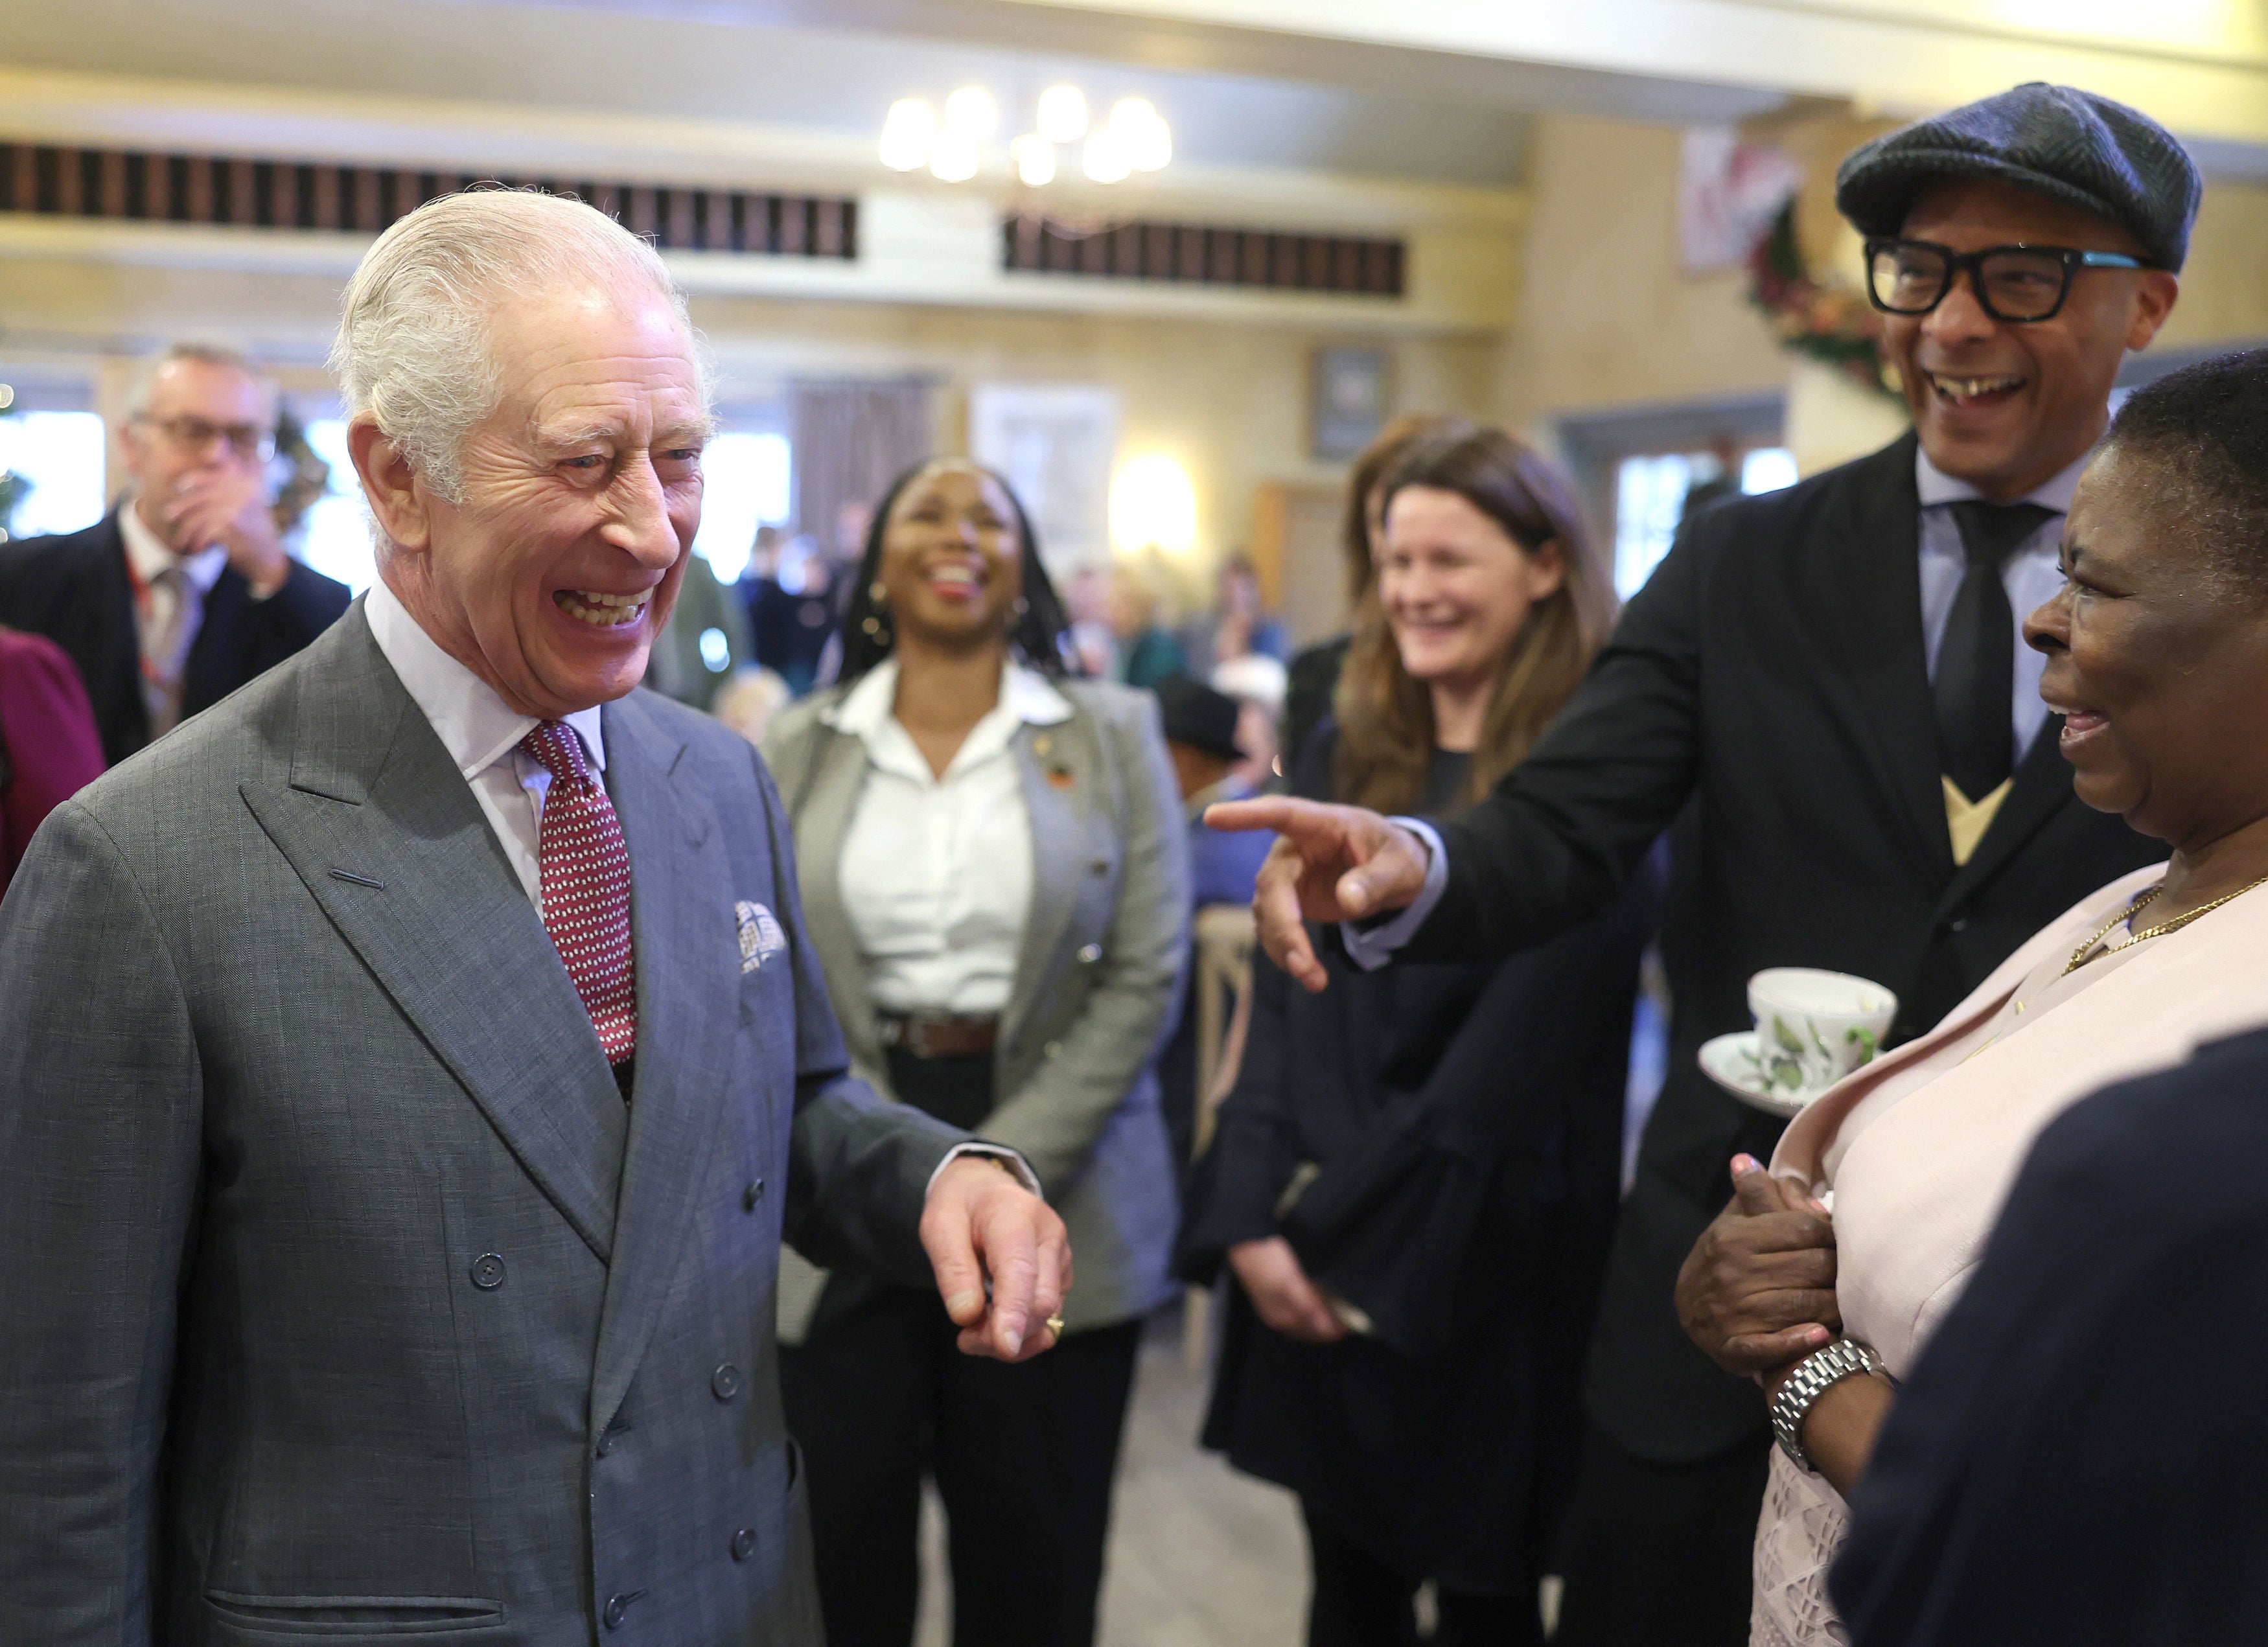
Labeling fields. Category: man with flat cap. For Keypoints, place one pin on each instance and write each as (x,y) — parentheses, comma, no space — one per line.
(1827,681)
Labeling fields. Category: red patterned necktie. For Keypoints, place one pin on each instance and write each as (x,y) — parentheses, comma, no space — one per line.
(585,869)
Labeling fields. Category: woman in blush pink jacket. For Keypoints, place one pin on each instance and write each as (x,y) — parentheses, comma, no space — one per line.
(1887,1185)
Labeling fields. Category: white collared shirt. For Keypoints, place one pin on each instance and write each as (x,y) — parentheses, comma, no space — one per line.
(166,611)
(2030,575)
(481,734)
(937,872)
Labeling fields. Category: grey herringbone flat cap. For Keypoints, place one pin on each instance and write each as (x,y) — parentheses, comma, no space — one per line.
(2068,144)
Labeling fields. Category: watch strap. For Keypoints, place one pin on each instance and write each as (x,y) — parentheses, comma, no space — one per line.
(1813,1376)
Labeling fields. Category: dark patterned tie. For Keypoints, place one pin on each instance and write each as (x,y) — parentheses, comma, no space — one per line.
(585,868)
(1975,686)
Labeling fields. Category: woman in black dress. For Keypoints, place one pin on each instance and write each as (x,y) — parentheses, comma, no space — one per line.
(1414,1179)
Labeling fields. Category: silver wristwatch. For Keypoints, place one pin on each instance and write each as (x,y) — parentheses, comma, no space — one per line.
(1845,1357)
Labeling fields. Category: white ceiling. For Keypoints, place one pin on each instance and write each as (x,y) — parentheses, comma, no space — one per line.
(702,61)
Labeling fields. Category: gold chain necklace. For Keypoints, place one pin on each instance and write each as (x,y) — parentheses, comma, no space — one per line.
(2087,950)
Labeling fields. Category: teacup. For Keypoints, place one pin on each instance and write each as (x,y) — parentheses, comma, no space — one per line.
(1814,1028)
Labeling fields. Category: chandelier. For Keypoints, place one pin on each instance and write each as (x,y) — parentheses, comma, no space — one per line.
(950,145)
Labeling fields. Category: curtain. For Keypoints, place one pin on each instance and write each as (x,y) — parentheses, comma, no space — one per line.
(849,440)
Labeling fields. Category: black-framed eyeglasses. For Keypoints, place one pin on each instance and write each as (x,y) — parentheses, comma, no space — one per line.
(2012,283)
(251,442)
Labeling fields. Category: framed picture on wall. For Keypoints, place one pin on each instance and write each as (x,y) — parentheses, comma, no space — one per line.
(1349,389)
(1054,442)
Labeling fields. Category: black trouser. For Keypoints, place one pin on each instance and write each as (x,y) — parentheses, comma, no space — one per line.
(1660,1554)
(879,1395)
(1360,1601)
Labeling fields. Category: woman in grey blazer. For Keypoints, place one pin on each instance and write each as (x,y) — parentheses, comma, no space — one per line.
(991,860)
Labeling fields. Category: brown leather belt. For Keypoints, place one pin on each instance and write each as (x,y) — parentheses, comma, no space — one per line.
(940,1034)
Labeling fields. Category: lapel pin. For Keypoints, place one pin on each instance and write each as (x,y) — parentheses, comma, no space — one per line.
(1042,744)
(1059,777)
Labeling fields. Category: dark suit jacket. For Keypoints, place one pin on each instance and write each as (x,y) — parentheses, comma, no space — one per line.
(1772,674)
(73,588)
(345,1298)
(2078,1457)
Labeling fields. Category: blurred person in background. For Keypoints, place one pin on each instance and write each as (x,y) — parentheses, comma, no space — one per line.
(1204,735)
(1313,671)
(995,874)
(1256,682)
(49,747)
(1091,646)
(1147,651)
(790,593)
(1414,1178)
(1239,625)
(183,591)
(703,642)
(748,701)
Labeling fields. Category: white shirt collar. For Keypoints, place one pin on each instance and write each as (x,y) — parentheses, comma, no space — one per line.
(474,724)
(1026,698)
(147,554)
(1938,486)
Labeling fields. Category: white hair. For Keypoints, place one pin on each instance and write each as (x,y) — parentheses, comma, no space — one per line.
(208,354)
(413,347)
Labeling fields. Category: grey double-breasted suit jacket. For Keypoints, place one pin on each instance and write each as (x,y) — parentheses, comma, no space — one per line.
(1097,984)
(344,1300)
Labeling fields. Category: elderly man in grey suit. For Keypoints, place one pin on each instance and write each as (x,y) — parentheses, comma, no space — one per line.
(410,1069)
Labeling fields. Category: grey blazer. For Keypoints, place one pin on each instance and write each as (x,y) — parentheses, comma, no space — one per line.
(1097,984)
(344,1300)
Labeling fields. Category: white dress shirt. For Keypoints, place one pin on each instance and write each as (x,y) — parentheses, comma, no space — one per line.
(481,734)
(2030,575)
(169,601)
(937,872)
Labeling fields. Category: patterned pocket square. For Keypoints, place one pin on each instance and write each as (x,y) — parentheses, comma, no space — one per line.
(761,937)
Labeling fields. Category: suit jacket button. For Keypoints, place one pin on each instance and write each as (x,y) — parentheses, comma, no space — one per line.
(1959,923)
(744,1544)
(1053,1049)
(488,1271)
(618,1605)
(1090,954)
(725,1381)
(751,1195)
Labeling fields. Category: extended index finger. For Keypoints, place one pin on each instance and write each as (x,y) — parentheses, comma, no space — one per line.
(1262,812)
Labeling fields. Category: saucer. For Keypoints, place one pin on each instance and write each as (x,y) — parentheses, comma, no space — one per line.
(1731,1062)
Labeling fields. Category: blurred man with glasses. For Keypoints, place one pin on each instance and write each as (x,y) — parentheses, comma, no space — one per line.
(183,591)
(1826,683)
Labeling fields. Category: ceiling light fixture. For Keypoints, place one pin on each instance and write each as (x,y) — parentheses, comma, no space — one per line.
(952,142)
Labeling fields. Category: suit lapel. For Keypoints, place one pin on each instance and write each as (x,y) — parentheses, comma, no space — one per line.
(1871,591)
(387,837)
(687,943)
(1059,794)
(824,801)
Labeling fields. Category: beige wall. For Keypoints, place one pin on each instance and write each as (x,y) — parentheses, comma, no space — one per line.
(1229,402)
(1606,318)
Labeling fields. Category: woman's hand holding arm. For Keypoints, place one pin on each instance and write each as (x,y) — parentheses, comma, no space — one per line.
(1281,1292)
(1757,1291)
